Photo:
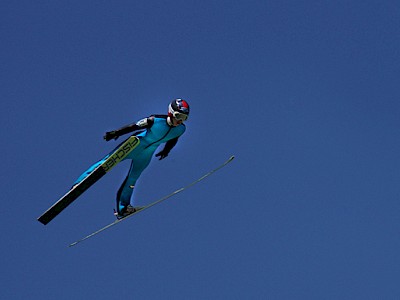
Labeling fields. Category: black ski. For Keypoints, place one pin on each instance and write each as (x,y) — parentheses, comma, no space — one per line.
(117,156)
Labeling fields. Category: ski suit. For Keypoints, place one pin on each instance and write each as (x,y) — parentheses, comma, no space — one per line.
(153,131)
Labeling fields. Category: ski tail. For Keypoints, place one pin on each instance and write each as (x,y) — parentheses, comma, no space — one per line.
(71,196)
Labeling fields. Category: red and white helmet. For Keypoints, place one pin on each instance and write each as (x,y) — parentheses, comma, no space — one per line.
(179,109)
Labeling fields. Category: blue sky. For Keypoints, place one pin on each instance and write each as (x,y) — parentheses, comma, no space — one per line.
(305,94)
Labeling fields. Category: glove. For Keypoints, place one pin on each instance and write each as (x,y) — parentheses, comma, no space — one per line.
(162,154)
(111,135)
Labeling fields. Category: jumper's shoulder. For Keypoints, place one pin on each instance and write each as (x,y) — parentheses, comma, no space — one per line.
(145,122)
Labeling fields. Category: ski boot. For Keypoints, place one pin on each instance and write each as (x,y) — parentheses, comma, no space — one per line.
(126,211)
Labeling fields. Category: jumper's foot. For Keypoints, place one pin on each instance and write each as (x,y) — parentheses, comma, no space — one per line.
(127,211)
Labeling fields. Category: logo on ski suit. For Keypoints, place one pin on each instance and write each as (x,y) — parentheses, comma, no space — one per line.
(120,153)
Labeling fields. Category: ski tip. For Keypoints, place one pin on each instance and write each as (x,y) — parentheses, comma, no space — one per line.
(231,158)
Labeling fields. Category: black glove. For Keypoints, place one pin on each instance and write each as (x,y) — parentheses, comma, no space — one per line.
(162,154)
(111,135)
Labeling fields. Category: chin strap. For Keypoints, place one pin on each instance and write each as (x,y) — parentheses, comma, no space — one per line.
(169,121)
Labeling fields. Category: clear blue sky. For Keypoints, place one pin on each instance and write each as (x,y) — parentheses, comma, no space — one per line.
(304,93)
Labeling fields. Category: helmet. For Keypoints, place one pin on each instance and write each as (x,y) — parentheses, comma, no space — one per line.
(179,109)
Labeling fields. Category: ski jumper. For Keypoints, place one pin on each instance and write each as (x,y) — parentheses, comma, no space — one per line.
(153,131)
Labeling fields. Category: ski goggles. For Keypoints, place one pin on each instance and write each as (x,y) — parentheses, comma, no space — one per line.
(180,116)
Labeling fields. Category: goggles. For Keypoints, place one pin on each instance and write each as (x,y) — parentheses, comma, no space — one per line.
(180,116)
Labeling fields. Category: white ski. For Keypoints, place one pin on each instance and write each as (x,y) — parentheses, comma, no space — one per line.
(153,203)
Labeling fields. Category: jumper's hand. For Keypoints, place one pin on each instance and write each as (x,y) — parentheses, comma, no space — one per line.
(110,135)
(162,154)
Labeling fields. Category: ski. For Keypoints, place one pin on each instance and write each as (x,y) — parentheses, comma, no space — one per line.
(112,160)
(153,203)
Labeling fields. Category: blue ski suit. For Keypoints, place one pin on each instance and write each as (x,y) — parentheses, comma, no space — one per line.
(153,131)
